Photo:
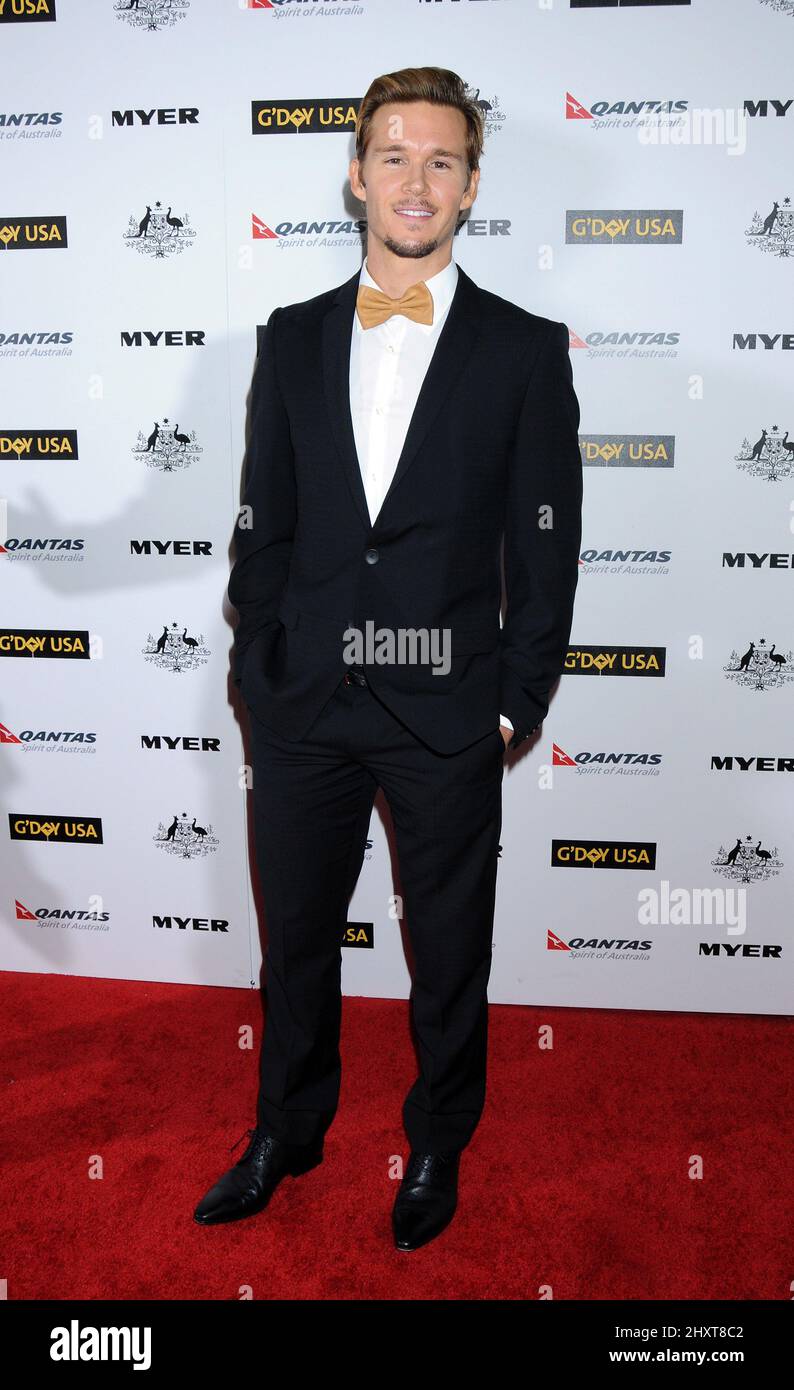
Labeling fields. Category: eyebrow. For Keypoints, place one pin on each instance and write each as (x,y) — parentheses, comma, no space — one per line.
(397,147)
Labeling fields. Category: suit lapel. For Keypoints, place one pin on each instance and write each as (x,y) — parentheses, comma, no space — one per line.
(452,352)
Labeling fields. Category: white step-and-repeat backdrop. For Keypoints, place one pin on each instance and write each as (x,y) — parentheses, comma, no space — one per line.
(173,169)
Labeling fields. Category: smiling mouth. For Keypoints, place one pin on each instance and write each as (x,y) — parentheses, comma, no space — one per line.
(414,214)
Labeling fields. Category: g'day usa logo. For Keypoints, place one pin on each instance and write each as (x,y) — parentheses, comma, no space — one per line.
(38,446)
(307,115)
(613,226)
(627,450)
(64,830)
(45,642)
(27,11)
(33,233)
(603,854)
(615,661)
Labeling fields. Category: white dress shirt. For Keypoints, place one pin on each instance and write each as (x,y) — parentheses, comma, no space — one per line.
(387,367)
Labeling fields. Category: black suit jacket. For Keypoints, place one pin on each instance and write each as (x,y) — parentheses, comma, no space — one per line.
(492,449)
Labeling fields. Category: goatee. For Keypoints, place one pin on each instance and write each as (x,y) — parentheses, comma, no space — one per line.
(414,250)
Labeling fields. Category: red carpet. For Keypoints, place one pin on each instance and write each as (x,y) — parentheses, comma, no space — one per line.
(575,1186)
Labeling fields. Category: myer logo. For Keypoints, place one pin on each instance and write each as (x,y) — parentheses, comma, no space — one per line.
(211,924)
(615,661)
(163,337)
(647,227)
(185,742)
(171,548)
(76,1343)
(767,951)
(730,762)
(158,115)
(748,559)
(767,107)
(603,854)
(750,342)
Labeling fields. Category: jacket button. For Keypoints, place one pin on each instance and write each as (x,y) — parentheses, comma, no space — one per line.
(371,557)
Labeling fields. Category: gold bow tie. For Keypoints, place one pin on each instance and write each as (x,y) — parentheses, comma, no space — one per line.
(375,307)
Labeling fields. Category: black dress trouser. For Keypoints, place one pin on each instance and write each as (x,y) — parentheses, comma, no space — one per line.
(312,803)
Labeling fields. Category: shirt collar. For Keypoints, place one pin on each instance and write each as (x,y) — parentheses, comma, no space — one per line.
(441,286)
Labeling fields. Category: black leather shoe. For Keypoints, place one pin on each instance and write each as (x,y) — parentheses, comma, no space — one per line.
(247,1187)
(427,1197)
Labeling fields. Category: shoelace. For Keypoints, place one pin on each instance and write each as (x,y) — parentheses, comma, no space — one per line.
(252,1132)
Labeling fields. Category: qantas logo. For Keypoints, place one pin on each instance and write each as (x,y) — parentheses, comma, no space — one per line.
(617,948)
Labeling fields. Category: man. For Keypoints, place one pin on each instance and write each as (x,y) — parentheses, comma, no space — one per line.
(400,428)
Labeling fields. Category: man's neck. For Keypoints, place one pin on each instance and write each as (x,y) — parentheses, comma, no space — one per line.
(395,274)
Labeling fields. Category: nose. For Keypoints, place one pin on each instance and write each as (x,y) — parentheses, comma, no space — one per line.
(416,180)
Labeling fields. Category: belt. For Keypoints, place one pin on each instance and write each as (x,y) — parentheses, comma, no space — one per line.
(355,676)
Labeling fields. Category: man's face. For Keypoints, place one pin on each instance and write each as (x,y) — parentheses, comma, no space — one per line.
(414,176)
